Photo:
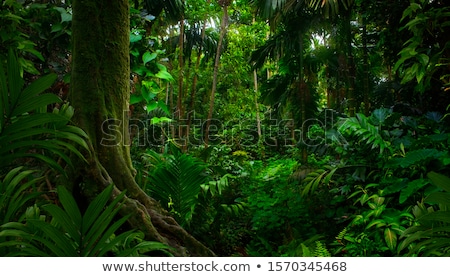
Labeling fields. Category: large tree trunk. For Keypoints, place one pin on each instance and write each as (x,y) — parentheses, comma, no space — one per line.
(100,96)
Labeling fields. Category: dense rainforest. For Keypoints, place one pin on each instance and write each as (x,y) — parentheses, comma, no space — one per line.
(244,128)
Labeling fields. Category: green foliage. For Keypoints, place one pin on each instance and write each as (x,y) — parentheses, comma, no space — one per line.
(16,191)
(12,19)
(69,233)
(365,130)
(176,180)
(430,235)
(420,59)
(321,176)
(380,222)
(26,125)
(312,247)
(416,156)
(149,72)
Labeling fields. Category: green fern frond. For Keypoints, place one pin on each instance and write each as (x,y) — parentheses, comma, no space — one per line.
(321,250)
(177,178)
(341,234)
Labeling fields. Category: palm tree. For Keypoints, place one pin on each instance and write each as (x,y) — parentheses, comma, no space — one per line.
(291,86)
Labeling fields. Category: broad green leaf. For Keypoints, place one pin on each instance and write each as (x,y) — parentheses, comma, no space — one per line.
(65,16)
(38,86)
(147,57)
(440,180)
(135,37)
(438,216)
(135,99)
(163,107)
(423,59)
(157,120)
(391,239)
(36,103)
(15,82)
(64,220)
(95,208)
(54,239)
(377,222)
(70,205)
(411,188)
(437,197)
(164,75)
(56,27)
(151,105)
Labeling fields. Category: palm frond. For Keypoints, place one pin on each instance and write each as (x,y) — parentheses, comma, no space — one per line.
(27,132)
(69,233)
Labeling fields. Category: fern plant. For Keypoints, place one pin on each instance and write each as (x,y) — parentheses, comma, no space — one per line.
(175,180)
(66,232)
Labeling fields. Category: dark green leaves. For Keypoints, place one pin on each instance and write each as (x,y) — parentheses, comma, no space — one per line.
(176,182)
(70,233)
(23,127)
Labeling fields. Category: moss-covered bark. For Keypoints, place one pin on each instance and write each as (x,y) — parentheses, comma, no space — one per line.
(100,96)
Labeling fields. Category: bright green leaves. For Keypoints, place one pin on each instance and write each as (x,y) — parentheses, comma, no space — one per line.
(364,129)
(147,57)
(316,178)
(379,220)
(440,181)
(151,76)
(62,27)
(13,193)
(391,239)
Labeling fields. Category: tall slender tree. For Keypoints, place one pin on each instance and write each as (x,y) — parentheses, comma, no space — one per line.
(223,29)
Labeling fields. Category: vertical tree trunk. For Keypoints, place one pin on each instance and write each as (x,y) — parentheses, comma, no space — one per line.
(179,111)
(223,29)
(100,96)
(366,69)
(351,71)
(255,85)
(190,109)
